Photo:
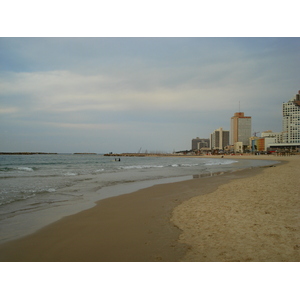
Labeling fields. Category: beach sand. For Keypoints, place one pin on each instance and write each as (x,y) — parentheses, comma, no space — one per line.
(248,215)
(248,219)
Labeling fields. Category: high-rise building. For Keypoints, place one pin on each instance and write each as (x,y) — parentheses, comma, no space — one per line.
(219,139)
(199,143)
(240,129)
(291,120)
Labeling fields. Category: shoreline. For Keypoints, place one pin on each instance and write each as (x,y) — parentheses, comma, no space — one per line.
(82,196)
(114,231)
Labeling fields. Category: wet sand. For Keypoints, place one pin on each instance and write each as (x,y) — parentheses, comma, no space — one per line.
(168,222)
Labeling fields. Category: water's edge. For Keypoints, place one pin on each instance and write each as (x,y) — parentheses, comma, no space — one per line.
(89,199)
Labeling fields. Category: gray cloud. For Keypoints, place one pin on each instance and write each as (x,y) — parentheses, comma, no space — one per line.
(118,94)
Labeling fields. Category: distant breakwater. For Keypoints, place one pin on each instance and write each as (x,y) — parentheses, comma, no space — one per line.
(26,153)
(85,153)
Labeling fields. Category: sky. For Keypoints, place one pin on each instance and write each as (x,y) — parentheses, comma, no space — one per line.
(125,94)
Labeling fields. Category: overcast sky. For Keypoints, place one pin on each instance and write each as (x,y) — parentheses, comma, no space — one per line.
(123,94)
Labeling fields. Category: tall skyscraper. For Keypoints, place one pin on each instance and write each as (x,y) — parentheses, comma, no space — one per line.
(219,139)
(240,129)
(291,120)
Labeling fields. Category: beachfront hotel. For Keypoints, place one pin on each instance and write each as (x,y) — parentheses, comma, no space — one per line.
(240,130)
(290,136)
(291,120)
(219,139)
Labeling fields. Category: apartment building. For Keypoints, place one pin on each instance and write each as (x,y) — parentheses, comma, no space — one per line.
(219,139)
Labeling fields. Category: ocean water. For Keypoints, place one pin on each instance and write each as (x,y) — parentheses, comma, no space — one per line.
(36,190)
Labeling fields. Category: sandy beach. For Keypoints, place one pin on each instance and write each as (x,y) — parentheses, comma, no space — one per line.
(248,215)
(248,219)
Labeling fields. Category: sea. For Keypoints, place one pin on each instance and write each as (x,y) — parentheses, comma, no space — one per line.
(36,190)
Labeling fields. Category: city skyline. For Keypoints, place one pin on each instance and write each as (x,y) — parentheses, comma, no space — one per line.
(123,94)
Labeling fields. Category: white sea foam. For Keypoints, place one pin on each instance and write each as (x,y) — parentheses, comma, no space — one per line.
(139,167)
(218,162)
(70,174)
(184,165)
(26,169)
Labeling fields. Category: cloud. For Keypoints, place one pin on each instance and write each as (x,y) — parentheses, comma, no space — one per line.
(8,110)
(133,89)
(64,91)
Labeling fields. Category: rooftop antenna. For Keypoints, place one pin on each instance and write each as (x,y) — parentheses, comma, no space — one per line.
(239,106)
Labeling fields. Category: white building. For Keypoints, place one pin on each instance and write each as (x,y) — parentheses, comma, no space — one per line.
(219,139)
(291,120)
(277,136)
(238,147)
(268,142)
(290,138)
